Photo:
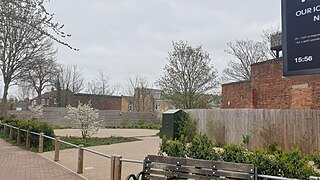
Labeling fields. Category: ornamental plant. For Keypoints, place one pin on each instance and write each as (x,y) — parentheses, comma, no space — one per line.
(84,117)
(37,112)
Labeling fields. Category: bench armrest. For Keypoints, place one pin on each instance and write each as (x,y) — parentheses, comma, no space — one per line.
(134,177)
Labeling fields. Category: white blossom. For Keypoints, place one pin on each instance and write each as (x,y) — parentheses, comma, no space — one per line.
(37,112)
(84,117)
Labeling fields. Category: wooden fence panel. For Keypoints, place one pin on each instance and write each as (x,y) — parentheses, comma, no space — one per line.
(289,128)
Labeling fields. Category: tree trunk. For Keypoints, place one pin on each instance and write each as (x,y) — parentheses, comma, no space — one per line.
(5,93)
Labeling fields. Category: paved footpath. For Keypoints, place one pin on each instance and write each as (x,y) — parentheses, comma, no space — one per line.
(19,164)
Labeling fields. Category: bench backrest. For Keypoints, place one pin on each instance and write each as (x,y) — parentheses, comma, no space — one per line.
(160,167)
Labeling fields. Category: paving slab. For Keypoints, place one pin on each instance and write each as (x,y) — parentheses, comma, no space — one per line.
(98,167)
(20,164)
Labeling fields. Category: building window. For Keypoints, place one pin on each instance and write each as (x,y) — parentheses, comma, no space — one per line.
(157,107)
(48,102)
(130,108)
(34,103)
(55,101)
(43,101)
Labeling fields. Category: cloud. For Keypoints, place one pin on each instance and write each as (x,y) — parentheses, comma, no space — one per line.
(130,37)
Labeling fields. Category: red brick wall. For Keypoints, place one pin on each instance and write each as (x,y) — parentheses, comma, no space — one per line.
(101,102)
(270,90)
(237,95)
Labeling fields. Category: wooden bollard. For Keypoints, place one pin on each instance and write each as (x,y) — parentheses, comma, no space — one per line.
(19,136)
(116,166)
(11,133)
(4,129)
(80,159)
(56,149)
(41,142)
(28,139)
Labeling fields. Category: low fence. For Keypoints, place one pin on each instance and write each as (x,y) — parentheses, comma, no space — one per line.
(56,116)
(289,128)
(116,161)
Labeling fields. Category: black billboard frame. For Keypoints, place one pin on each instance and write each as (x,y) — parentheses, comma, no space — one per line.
(286,72)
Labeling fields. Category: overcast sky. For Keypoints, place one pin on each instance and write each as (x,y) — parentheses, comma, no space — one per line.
(132,37)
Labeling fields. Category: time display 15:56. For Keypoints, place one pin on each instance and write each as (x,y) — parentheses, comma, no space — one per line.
(303,59)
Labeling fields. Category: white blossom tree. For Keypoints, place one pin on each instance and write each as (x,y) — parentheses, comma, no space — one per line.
(85,117)
(37,112)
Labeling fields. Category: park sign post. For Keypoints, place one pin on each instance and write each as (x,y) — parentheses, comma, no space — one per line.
(301,37)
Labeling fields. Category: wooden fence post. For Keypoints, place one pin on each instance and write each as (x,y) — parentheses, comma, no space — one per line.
(56,149)
(4,130)
(41,142)
(19,136)
(11,133)
(116,166)
(28,139)
(80,160)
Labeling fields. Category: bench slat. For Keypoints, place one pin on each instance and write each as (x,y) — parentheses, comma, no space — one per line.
(167,174)
(238,167)
(192,171)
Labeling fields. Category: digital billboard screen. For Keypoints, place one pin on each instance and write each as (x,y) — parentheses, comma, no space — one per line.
(301,37)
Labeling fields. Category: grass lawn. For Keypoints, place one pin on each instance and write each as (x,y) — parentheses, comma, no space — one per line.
(95,141)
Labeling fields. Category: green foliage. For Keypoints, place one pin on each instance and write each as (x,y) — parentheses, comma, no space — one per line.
(95,141)
(233,153)
(265,163)
(202,148)
(290,164)
(293,165)
(316,159)
(273,147)
(176,148)
(144,126)
(34,126)
(187,127)
(245,139)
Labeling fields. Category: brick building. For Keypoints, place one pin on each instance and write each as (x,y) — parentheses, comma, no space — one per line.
(144,100)
(150,100)
(102,102)
(268,89)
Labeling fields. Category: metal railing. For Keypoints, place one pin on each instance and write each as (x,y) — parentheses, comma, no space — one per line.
(116,160)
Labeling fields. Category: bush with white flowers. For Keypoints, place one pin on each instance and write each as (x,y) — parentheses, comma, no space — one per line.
(85,117)
(37,112)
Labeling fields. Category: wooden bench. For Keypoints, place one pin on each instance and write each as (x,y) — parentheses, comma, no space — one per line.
(160,167)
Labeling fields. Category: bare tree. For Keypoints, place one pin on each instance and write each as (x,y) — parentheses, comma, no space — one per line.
(19,45)
(101,85)
(42,71)
(266,39)
(246,52)
(135,82)
(70,77)
(187,75)
(15,10)
(24,91)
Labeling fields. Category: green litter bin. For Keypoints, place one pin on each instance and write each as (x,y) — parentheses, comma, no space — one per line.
(169,123)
